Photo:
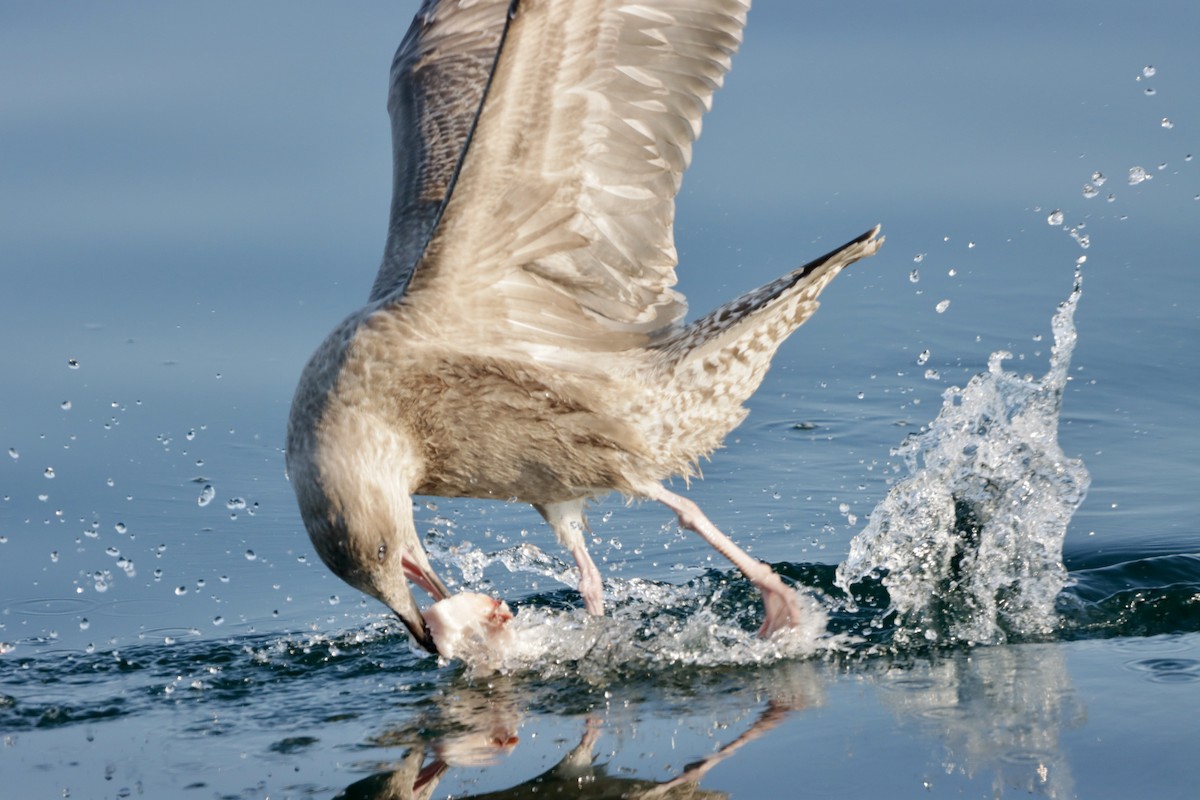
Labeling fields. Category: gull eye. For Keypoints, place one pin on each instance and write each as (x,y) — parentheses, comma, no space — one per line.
(381,554)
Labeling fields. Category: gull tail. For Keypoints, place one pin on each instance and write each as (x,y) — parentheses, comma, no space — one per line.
(714,364)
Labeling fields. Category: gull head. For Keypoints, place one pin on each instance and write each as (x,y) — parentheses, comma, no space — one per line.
(351,475)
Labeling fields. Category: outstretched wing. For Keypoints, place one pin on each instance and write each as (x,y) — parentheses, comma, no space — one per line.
(438,79)
(557,236)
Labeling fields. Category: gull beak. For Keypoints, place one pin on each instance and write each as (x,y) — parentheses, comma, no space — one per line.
(405,606)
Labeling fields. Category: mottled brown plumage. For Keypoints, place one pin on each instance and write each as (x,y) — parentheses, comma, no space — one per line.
(522,340)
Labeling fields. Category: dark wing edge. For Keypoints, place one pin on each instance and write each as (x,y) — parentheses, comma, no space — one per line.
(439,78)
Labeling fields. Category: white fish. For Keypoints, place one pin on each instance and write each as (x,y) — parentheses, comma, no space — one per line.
(470,626)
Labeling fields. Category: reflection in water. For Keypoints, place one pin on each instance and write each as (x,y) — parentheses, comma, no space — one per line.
(996,709)
(475,727)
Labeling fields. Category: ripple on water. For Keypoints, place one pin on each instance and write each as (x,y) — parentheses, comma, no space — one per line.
(52,606)
(1172,643)
(1168,670)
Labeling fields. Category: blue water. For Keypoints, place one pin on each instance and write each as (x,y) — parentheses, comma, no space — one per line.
(193,197)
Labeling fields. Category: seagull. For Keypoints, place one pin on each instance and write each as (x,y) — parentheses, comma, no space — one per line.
(522,340)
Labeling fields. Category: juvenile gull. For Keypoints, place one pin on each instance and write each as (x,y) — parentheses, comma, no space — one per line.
(522,339)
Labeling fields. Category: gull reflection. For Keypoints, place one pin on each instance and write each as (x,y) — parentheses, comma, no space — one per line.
(478,726)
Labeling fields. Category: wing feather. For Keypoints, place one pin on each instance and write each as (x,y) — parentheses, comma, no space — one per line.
(438,80)
(557,236)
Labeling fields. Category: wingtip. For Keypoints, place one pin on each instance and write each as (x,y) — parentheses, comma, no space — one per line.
(872,240)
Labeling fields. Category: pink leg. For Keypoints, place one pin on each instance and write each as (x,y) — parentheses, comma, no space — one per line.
(781,604)
(590,584)
(567,521)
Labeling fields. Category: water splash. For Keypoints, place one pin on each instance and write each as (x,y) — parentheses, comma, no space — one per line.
(648,626)
(969,545)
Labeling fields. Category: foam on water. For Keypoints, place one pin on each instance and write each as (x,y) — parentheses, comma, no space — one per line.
(709,621)
(969,544)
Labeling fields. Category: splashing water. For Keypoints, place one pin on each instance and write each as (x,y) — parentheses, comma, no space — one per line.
(969,545)
(709,621)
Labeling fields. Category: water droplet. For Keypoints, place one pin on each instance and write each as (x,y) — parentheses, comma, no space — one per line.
(112,551)
(206,495)
(931,375)
(72,363)
(250,555)
(1166,123)
(1090,191)
(54,556)
(923,358)
(190,435)
(914,276)
(970,245)
(942,306)
(334,599)
(84,624)
(180,590)
(1162,166)
(1111,198)
(918,258)
(111,482)
(1150,91)
(861,395)
(224,579)
(120,527)
(235,504)
(1137,175)
(1055,218)
(217,620)
(13,454)
(65,405)
(952,272)
(1149,71)
(158,574)
(1098,178)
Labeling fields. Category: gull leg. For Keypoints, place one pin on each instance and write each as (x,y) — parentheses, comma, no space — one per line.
(781,604)
(567,521)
